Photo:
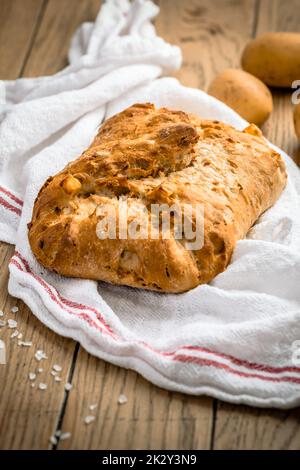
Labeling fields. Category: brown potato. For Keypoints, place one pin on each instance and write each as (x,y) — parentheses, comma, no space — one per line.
(274,58)
(244,93)
(297,120)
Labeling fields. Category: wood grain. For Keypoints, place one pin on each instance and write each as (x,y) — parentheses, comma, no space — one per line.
(17,28)
(61,19)
(29,415)
(243,427)
(211,35)
(151,419)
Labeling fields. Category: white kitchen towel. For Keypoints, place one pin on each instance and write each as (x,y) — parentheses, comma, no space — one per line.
(237,338)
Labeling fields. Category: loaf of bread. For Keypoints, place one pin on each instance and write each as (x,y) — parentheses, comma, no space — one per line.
(144,156)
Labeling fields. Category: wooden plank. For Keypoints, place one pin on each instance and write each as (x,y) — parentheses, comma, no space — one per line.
(275,15)
(29,415)
(245,428)
(151,419)
(242,427)
(154,418)
(17,28)
(61,19)
(211,35)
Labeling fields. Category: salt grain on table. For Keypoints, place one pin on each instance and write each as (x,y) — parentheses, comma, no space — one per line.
(89,419)
(53,440)
(65,435)
(12,323)
(122,399)
(14,309)
(26,344)
(68,387)
(39,355)
(57,368)
(42,386)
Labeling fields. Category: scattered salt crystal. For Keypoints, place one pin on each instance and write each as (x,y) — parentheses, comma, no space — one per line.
(93,407)
(40,370)
(42,386)
(26,344)
(39,355)
(53,373)
(65,435)
(68,387)
(57,379)
(53,440)
(58,433)
(89,419)
(57,368)
(122,399)
(14,334)
(20,336)
(12,323)
(14,309)
(1,313)
(2,323)
(33,385)
(32,376)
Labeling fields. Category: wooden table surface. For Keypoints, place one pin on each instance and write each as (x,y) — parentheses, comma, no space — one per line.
(34,40)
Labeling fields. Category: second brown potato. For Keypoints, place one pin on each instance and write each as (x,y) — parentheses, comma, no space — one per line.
(244,93)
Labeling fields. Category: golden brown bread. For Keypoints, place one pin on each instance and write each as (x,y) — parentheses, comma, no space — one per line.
(145,155)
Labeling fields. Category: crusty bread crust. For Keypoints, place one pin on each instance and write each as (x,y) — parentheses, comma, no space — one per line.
(146,155)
